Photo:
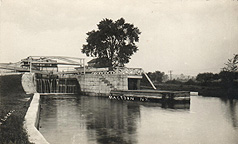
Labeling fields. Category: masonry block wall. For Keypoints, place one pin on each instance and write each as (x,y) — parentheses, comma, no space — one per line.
(28,83)
(102,84)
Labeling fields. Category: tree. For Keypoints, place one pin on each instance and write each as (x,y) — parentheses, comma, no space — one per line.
(159,76)
(190,82)
(156,76)
(205,77)
(232,64)
(230,72)
(113,43)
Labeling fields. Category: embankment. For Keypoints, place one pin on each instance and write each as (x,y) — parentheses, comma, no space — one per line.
(32,120)
(13,106)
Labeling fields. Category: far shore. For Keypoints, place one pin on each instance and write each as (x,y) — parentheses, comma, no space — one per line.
(208,91)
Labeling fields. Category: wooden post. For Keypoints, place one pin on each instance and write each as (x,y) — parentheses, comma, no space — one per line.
(149,80)
(138,84)
(41,86)
(65,85)
(51,87)
(57,86)
(30,67)
(84,66)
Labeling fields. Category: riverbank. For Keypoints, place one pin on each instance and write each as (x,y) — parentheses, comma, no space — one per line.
(211,91)
(13,106)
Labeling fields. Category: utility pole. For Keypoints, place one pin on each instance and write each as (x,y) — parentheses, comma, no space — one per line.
(170,74)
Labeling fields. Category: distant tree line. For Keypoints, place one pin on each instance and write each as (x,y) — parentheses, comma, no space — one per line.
(224,78)
(227,78)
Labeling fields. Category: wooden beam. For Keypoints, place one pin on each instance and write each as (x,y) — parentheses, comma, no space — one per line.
(54,63)
(149,80)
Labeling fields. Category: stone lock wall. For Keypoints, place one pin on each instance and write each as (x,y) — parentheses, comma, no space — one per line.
(28,83)
(102,84)
(90,84)
(32,120)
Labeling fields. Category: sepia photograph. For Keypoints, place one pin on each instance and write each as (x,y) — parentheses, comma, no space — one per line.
(118,72)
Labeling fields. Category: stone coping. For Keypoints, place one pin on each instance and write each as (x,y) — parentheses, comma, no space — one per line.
(32,120)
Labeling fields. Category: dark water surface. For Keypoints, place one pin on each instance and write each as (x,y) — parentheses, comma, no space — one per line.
(94,120)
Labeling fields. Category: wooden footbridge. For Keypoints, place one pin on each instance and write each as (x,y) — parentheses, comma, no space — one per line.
(47,65)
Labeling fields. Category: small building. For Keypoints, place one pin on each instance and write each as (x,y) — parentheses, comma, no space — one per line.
(39,63)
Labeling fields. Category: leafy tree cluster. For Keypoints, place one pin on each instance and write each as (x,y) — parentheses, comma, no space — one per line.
(207,77)
(156,77)
(232,64)
(113,43)
(228,75)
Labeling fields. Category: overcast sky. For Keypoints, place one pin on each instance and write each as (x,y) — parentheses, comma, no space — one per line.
(186,36)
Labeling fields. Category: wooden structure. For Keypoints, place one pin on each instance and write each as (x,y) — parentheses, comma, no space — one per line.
(48,74)
(51,64)
(151,96)
(47,65)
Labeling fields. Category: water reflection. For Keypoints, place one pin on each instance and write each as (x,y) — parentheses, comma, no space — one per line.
(233,107)
(165,105)
(99,120)
(113,122)
(231,111)
(104,121)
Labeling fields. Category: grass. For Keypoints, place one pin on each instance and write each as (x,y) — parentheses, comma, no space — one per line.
(13,106)
(211,91)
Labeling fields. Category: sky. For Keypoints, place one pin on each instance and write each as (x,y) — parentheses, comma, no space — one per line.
(185,36)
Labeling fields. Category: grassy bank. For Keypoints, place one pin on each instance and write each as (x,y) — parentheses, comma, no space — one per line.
(13,106)
(212,91)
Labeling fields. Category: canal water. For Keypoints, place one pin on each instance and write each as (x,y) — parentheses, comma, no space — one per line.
(95,120)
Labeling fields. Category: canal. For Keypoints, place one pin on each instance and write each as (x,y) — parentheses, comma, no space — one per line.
(95,120)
